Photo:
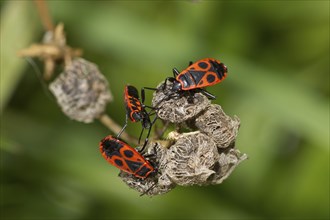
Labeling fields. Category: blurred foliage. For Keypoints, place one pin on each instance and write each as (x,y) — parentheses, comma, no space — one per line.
(277,53)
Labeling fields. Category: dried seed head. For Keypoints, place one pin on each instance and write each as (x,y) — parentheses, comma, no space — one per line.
(195,160)
(216,124)
(81,91)
(177,109)
(191,159)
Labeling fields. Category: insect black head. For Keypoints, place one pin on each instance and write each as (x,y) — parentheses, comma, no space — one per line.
(176,86)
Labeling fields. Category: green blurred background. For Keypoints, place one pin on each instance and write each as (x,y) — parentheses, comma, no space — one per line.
(278,84)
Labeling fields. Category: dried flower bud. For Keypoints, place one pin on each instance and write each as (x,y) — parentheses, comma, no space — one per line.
(195,160)
(191,159)
(216,124)
(81,91)
(177,109)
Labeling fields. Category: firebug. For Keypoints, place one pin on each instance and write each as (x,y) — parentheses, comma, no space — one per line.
(126,158)
(136,111)
(203,73)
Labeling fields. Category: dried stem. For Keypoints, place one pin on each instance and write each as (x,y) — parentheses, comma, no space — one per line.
(115,128)
(44,15)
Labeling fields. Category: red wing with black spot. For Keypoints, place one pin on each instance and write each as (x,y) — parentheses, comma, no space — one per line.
(203,73)
(124,157)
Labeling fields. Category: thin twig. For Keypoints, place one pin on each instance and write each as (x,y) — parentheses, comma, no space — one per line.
(115,128)
(44,15)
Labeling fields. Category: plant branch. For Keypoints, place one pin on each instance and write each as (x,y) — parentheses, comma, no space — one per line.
(44,15)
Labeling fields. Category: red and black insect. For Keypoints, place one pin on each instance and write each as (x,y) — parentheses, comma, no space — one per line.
(203,73)
(126,158)
(136,111)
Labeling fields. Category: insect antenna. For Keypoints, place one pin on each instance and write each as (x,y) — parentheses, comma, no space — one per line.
(124,127)
(150,188)
(147,138)
(36,69)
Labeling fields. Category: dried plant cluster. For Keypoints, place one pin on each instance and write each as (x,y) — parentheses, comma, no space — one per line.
(52,50)
(205,155)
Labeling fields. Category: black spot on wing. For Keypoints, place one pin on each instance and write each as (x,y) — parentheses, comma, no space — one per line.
(203,65)
(210,78)
(144,170)
(111,147)
(133,165)
(128,153)
(119,162)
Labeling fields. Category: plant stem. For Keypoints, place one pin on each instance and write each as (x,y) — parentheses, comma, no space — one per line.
(44,15)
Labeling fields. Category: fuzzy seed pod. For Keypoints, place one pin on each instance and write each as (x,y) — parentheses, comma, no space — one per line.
(177,109)
(195,160)
(81,91)
(216,124)
(191,159)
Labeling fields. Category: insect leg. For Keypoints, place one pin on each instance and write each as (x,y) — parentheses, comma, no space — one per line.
(143,92)
(147,138)
(190,98)
(155,171)
(152,108)
(166,98)
(141,135)
(175,72)
(207,94)
(171,79)
(150,188)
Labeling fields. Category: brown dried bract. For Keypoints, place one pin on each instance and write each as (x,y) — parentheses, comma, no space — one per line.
(177,108)
(216,124)
(52,50)
(195,160)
